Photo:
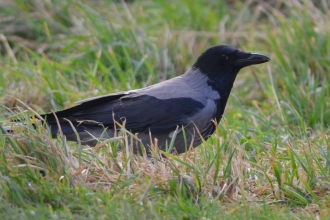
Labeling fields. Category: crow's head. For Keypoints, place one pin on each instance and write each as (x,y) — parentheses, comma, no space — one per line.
(225,59)
(222,63)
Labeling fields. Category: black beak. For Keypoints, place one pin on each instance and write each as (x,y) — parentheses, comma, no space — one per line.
(247,59)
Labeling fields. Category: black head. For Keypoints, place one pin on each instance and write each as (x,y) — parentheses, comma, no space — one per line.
(222,63)
(223,59)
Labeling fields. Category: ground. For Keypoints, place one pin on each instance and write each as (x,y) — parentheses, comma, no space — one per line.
(268,159)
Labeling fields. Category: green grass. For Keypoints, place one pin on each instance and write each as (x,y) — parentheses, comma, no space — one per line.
(269,158)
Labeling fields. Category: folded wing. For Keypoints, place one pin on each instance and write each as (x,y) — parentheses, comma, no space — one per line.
(141,113)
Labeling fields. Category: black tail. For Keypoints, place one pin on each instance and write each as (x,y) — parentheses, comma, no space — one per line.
(59,119)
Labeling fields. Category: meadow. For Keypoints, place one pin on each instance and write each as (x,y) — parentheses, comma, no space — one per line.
(268,159)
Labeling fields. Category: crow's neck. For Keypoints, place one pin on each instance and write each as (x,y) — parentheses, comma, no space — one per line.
(213,86)
(223,86)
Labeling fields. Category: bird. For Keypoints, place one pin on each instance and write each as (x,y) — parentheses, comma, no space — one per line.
(183,110)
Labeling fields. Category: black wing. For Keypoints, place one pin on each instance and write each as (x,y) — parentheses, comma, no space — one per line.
(141,113)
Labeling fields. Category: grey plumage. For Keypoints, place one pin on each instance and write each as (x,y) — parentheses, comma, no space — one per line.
(190,101)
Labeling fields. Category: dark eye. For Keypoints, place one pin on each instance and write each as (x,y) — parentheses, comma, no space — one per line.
(224,57)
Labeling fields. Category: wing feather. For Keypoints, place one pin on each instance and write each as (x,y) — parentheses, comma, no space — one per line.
(140,112)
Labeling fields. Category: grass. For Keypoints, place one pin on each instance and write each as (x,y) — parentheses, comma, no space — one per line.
(269,158)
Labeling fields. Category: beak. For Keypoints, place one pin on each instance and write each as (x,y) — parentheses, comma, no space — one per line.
(247,59)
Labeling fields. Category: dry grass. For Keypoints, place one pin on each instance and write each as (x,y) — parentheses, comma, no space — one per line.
(268,159)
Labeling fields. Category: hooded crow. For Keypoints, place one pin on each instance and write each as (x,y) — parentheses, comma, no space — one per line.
(183,108)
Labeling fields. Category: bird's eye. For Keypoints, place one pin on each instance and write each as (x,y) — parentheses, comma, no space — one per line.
(224,57)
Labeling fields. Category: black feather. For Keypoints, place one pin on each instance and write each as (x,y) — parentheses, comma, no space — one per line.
(141,113)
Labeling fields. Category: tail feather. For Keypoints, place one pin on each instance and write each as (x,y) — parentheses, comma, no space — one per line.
(65,127)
